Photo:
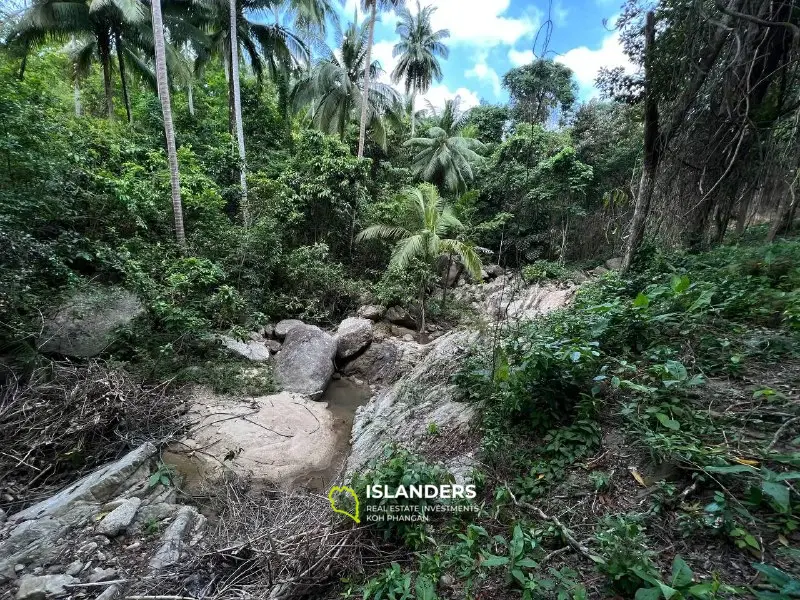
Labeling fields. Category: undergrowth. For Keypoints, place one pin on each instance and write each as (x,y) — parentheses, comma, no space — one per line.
(641,442)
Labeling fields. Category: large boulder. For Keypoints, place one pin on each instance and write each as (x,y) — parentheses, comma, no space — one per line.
(305,363)
(373,312)
(614,264)
(404,412)
(353,335)
(385,361)
(32,587)
(256,351)
(84,325)
(400,316)
(275,438)
(285,326)
(494,270)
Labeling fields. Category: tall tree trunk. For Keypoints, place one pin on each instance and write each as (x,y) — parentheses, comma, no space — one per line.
(413,114)
(162,83)
(237,108)
(786,210)
(651,151)
(76,96)
(422,306)
(446,279)
(190,94)
(104,46)
(362,133)
(123,77)
(231,103)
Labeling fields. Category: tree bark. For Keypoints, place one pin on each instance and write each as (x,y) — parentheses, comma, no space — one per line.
(413,114)
(651,150)
(76,95)
(123,77)
(162,83)
(190,94)
(422,306)
(362,133)
(786,211)
(237,109)
(104,46)
(446,279)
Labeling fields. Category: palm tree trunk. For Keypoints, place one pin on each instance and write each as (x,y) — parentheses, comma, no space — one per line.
(104,46)
(446,279)
(413,115)
(122,77)
(362,133)
(422,306)
(237,109)
(190,93)
(166,108)
(76,96)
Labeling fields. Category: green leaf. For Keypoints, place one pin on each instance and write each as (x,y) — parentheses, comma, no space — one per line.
(527,563)
(652,593)
(154,479)
(518,575)
(680,284)
(667,422)
(778,492)
(641,301)
(731,469)
(495,561)
(682,575)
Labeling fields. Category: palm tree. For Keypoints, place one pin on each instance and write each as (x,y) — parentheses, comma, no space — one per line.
(100,24)
(237,113)
(334,88)
(372,6)
(162,81)
(419,49)
(446,156)
(420,235)
(268,46)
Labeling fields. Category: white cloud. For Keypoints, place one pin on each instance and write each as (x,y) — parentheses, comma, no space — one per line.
(484,72)
(478,22)
(586,63)
(438,94)
(382,52)
(520,57)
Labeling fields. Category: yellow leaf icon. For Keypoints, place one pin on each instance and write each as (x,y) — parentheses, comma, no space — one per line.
(347,491)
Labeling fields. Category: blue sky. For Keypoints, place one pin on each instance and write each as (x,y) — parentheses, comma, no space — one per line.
(489,37)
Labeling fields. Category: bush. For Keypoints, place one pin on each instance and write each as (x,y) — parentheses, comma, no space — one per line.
(544,270)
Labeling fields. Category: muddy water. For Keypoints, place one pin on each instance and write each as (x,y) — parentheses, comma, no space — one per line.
(343,396)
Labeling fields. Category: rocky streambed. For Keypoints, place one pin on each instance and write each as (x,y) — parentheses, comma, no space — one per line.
(346,394)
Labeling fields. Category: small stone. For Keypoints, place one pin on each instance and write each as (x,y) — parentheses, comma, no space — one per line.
(32,587)
(614,264)
(408,338)
(99,575)
(74,568)
(88,548)
(273,346)
(19,568)
(133,546)
(110,593)
(118,519)
(101,556)
(446,580)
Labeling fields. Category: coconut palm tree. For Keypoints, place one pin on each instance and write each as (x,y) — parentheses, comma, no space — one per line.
(334,88)
(372,6)
(419,50)
(269,46)
(162,82)
(420,235)
(446,156)
(237,112)
(100,24)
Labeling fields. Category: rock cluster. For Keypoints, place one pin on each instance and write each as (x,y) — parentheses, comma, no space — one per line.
(94,532)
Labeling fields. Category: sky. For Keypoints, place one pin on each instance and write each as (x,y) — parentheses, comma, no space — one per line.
(490,37)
